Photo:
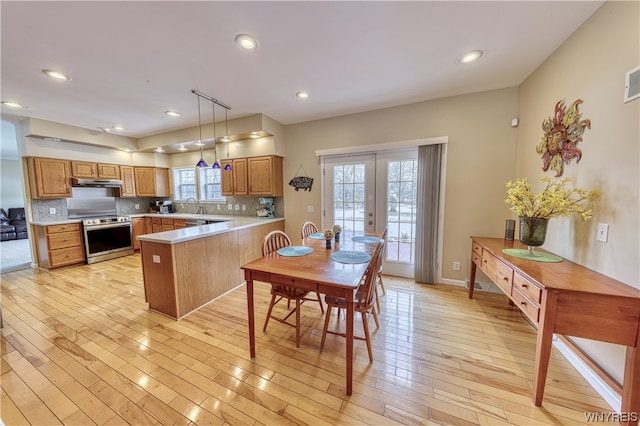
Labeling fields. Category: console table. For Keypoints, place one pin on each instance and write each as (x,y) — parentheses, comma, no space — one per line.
(568,299)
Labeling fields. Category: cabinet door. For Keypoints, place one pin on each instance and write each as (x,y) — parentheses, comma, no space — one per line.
(148,225)
(145,181)
(108,171)
(265,176)
(227,177)
(50,178)
(83,169)
(240,186)
(137,228)
(162,182)
(128,182)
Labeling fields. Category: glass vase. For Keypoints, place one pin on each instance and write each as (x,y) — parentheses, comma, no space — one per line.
(533,231)
(328,243)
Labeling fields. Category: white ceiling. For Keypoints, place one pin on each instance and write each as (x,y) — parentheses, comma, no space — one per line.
(132,61)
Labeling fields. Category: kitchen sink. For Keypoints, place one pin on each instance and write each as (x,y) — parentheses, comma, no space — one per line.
(199,222)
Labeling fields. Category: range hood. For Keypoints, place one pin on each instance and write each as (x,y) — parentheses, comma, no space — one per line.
(96,183)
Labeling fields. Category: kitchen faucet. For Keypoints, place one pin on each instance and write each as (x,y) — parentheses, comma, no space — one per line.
(197,207)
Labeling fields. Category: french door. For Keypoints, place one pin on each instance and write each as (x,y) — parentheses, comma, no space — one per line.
(369,193)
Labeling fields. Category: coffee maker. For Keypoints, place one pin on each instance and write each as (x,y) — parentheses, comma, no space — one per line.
(265,210)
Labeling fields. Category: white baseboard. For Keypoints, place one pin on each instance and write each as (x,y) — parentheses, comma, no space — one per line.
(604,390)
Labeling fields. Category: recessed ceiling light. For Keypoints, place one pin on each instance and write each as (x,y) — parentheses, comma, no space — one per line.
(57,75)
(172,113)
(105,129)
(225,139)
(302,94)
(159,149)
(199,143)
(472,56)
(254,135)
(246,41)
(12,104)
(118,128)
(182,148)
(126,149)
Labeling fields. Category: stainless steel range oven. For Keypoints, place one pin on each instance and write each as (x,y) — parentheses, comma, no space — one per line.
(107,238)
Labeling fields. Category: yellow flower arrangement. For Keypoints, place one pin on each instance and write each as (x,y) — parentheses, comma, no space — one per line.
(554,201)
(328,234)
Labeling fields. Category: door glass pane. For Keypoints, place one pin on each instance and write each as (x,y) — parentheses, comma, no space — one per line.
(349,196)
(401,210)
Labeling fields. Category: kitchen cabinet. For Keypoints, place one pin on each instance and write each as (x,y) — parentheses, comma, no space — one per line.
(234,181)
(59,245)
(156,225)
(85,169)
(151,181)
(160,224)
(49,177)
(128,188)
(137,228)
(265,176)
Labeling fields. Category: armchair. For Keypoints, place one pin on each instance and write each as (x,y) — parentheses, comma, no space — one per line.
(7,231)
(18,219)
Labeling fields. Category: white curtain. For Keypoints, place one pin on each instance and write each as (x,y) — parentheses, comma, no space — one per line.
(429,164)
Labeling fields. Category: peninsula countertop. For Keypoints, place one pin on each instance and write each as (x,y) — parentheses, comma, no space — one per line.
(227,224)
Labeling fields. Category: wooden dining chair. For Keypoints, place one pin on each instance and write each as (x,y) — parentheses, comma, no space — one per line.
(308,228)
(379,282)
(272,242)
(364,303)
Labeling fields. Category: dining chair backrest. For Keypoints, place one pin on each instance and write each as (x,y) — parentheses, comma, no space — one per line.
(308,228)
(274,241)
(366,294)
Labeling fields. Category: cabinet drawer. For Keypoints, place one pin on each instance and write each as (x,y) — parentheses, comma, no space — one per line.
(529,308)
(54,229)
(499,273)
(527,288)
(157,220)
(64,240)
(179,223)
(66,256)
(167,227)
(477,249)
(475,258)
(167,221)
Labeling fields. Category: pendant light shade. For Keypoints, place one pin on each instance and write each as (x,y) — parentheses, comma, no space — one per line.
(200,163)
(227,166)
(216,165)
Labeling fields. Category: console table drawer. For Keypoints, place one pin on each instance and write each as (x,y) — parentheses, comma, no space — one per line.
(530,309)
(477,249)
(526,287)
(499,273)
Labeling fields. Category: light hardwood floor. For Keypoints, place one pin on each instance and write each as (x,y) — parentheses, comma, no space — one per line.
(80,347)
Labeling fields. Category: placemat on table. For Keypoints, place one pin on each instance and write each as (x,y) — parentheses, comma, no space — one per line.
(346,256)
(366,239)
(293,251)
(537,257)
(317,236)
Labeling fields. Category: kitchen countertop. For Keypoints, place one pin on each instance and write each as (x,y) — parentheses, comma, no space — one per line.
(57,222)
(231,223)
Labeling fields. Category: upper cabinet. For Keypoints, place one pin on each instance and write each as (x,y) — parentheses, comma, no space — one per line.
(234,181)
(84,169)
(49,178)
(254,176)
(151,181)
(128,182)
(265,176)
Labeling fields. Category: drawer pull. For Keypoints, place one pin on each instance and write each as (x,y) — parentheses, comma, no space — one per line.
(523,303)
(505,279)
(524,286)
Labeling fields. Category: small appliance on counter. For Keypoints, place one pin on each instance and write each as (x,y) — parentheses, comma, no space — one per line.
(166,207)
(266,208)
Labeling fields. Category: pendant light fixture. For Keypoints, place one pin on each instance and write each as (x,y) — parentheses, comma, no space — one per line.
(200,163)
(227,167)
(216,165)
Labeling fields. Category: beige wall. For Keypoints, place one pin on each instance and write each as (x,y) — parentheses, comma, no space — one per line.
(591,66)
(481,153)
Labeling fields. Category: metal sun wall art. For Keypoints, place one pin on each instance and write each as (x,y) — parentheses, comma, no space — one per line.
(562,133)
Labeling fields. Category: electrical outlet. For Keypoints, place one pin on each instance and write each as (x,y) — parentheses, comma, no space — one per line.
(237,207)
(229,206)
(456,266)
(217,206)
(155,258)
(603,232)
(244,207)
(310,209)
(137,206)
(52,210)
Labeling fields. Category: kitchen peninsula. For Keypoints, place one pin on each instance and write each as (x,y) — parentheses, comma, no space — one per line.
(187,268)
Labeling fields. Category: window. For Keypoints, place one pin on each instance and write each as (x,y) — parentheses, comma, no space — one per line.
(189,182)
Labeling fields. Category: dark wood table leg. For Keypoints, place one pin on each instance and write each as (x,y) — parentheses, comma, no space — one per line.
(252,331)
(350,320)
(543,345)
(472,279)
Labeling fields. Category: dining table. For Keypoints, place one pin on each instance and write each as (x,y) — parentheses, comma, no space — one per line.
(317,271)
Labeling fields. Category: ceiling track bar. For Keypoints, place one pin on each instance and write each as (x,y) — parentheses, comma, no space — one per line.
(210,99)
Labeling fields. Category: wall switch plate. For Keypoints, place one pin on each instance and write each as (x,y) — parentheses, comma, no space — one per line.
(244,207)
(229,206)
(456,266)
(217,206)
(310,209)
(52,210)
(603,232)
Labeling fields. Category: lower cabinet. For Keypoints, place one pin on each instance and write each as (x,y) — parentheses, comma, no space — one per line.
(59,245)
(137,228)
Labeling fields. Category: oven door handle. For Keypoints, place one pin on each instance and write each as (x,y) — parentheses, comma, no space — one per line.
(108,225)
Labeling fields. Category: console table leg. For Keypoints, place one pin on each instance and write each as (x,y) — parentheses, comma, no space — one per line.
(631,386)
(544,342)
(472,279)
